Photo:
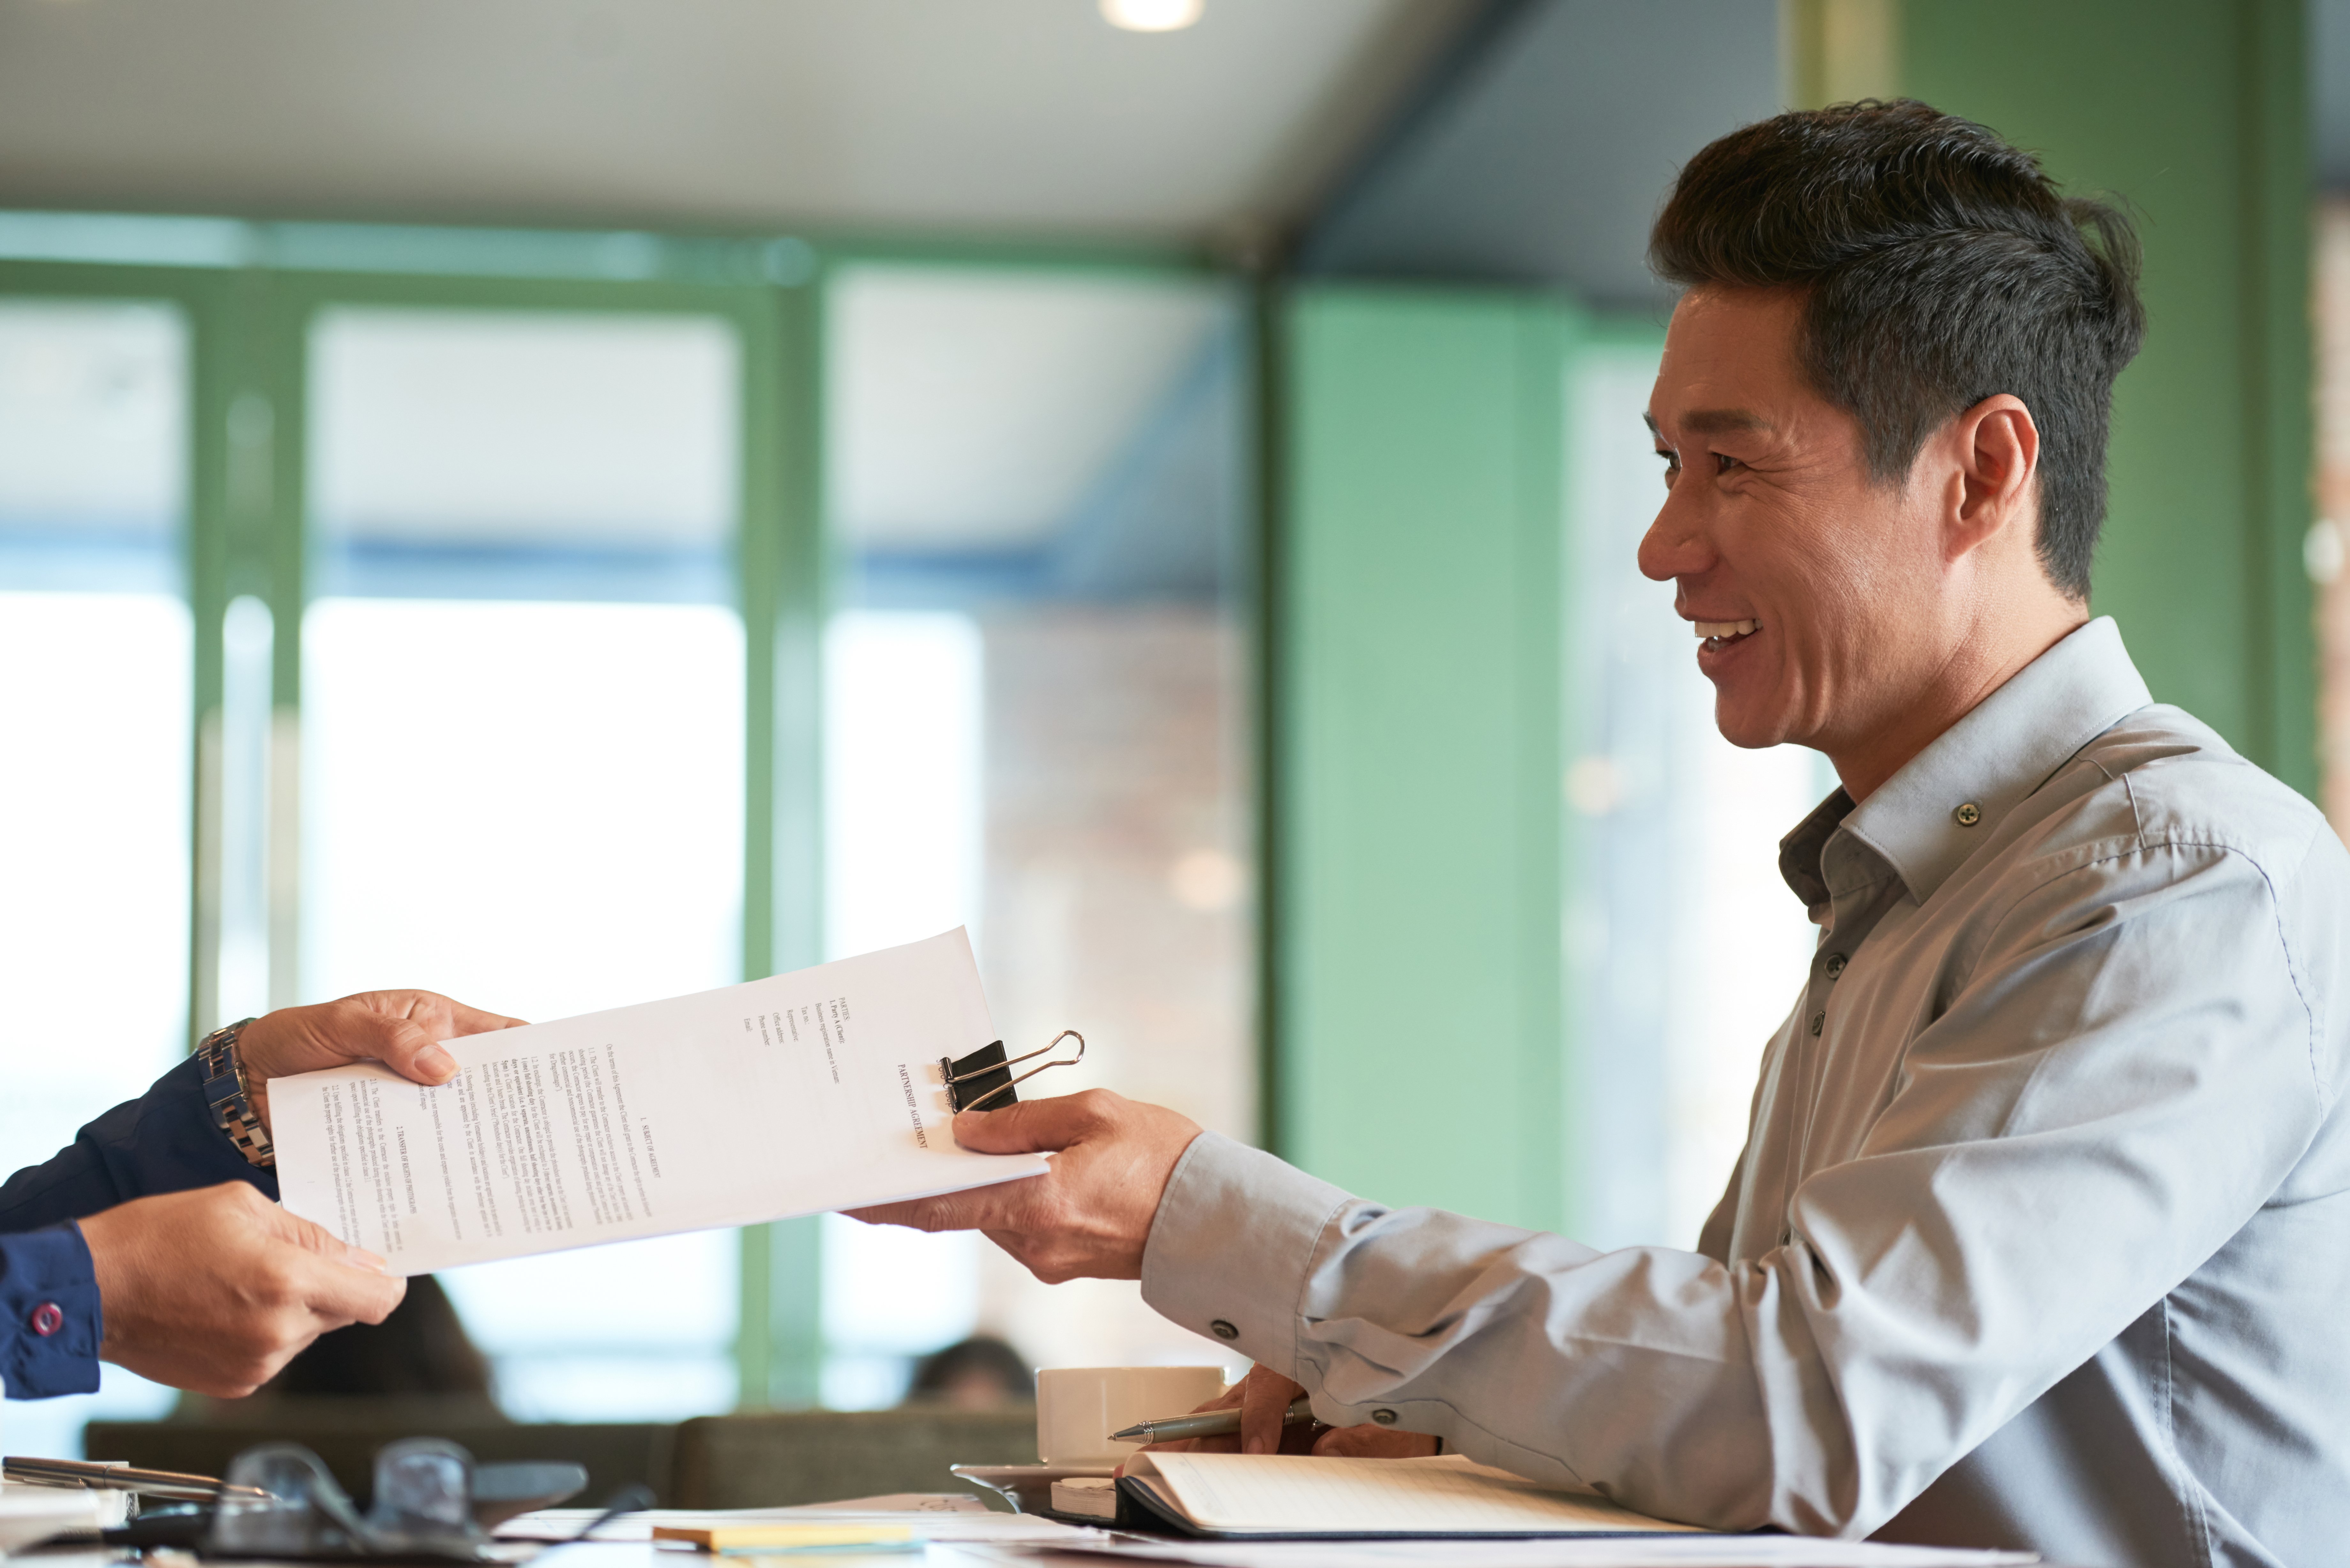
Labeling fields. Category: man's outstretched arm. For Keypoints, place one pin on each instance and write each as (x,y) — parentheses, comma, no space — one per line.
(2129,1076)
(215,1287)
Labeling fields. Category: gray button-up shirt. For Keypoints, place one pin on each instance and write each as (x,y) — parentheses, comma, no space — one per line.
(2041,1236)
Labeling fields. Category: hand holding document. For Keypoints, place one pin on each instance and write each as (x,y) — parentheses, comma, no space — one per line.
(796,1094)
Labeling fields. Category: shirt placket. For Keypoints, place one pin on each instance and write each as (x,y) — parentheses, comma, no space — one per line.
(1855,906)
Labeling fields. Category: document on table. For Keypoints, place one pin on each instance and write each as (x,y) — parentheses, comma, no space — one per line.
(932,1516)
(1306,1495)
(1703,1550)
(796,1094)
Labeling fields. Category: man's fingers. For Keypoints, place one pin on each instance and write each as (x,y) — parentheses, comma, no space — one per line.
(949,1213)
(339,1282)
(337,1296)
(1030,1126)
(433,1018)
(1228,1399)
(1265,1398)
(401,1043)
(464,1020)
(318,1240)
(413,1051)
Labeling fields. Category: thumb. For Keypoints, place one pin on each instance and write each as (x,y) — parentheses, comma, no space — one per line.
(316,1239)
(1023,1129)
(407,1048)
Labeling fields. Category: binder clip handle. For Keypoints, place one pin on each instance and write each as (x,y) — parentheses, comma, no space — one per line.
(984,1075)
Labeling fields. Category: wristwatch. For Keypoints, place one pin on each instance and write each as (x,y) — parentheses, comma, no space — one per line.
(225,1092)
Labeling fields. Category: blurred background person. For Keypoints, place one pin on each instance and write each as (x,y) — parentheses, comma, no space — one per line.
(981,1373)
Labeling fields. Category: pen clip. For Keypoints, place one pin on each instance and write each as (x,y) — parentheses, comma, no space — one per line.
(973,1067)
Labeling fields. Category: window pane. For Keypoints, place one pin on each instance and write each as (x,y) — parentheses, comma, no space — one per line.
(1671,1048)
(523,734)
(94,810)
(1038,725)
(93,445)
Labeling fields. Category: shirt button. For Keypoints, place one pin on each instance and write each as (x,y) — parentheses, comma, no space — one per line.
(1223,1330)
(1968,815)
(47,1319)
(1836,965)
(1818,1018)
(1384,1418)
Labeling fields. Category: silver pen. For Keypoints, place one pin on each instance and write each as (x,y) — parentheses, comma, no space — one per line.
(1206,1424)
(171,1484)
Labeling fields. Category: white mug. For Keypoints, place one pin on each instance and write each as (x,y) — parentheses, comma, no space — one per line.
(1078,1407)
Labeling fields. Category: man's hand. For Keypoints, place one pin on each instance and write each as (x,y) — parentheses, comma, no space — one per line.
(1263,1397)
(1089,1217)
(215,1290)
(400,1029)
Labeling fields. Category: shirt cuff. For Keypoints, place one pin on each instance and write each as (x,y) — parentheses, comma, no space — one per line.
(50,1323)
(1232,1245)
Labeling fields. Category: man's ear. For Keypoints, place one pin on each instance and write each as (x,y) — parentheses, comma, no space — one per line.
(1995,449)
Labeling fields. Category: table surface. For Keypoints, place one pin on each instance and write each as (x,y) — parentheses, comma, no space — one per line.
(641,1554)
(612,1555)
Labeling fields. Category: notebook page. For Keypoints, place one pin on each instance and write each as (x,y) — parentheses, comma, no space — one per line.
(1446,1496)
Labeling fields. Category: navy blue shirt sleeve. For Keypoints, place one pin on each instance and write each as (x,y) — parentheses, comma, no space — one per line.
(164,1141)
(49,1319)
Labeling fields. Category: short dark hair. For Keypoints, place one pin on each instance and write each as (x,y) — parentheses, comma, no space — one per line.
(1941,268)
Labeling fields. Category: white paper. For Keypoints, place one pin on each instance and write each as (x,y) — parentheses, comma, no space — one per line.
(1305,1494)
(1586,1551)
(924,1514)
(796,1094)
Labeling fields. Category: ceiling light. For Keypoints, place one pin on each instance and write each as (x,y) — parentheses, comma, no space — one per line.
(1151,16)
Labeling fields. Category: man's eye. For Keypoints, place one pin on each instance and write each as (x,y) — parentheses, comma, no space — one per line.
(1723,463)
(1672,465)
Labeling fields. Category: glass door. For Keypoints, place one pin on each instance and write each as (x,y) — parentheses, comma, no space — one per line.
(95,698)
(1038,719)
(522,718)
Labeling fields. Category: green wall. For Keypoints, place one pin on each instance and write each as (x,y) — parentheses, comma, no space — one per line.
(2196,112)
(1415,690)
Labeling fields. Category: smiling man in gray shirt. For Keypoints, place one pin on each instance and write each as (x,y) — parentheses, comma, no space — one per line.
(2041,1236)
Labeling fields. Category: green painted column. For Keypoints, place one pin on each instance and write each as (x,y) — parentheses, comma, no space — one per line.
(1415,656)
(2195,111)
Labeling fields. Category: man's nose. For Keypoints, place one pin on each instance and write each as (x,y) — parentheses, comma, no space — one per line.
(1674,545)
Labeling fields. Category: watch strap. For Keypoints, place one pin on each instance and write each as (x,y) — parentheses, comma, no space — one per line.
(231,1100)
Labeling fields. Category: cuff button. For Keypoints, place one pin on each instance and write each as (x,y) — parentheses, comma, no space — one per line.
(1223,1331)
(47,1319)
(1384,1418)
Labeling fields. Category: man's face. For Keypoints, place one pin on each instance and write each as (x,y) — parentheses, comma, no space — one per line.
(1822,588)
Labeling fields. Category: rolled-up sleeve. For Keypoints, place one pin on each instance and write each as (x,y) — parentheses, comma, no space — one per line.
(2118,1070)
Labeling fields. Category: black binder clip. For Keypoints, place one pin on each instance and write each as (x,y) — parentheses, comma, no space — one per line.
(984,1075)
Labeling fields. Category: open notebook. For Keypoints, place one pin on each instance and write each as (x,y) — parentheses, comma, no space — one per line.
(1262,1496)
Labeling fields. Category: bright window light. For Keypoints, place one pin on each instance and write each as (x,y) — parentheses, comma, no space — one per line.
(1684,944)
(95,688)
(902,777)
(1151,16)
(522,722)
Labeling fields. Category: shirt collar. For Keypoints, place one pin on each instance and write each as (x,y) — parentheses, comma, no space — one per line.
(1929,818)
(1799,852)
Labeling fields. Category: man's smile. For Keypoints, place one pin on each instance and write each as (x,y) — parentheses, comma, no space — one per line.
(1720,634)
